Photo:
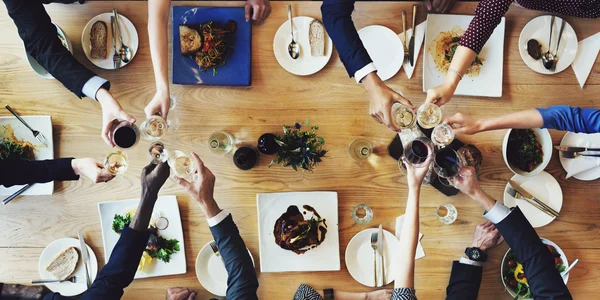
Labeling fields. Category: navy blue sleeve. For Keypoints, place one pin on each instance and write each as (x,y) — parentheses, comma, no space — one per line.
(337,18)
(17,171)
(571,118)
(465,281)
(241,280)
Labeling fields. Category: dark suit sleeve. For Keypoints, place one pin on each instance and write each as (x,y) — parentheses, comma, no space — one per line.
(17,172)
(337,18)
(544,279)
(464,282)
(241,281)
(42,43)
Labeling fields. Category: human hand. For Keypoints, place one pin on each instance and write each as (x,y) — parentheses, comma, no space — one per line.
(202,188)
(379,295)
(464,124)
(180,293)
(486,236)
(467,181)
(112,114)
(439,6)
(441,94)
(260,10)
(382,98)
(153,178)
(416,175)
(91,169)
(159,105)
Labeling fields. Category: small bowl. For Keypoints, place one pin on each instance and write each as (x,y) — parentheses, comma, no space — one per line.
(37,68)
(545,140)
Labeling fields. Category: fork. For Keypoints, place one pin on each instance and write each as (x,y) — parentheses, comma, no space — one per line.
(73,279)
(515,194)
(405,44)
(569,154)
(40,137)
(374,246)
(215,249)
(116,56)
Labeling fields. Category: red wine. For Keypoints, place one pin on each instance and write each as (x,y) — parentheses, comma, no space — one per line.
(419,148)
(448,162)
(125,137)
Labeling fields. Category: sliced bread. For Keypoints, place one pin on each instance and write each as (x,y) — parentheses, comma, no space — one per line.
(316,38)
(190,40)
(98,37)
(63,265)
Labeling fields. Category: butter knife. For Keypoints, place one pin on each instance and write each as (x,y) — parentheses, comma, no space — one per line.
(526,194)
(17,193)
(86,258)
(574,149)
(411,44)
(380,250)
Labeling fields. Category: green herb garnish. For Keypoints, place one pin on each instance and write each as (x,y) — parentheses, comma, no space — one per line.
(120,222)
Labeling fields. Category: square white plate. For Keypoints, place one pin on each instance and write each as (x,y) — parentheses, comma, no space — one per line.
(489,81)
(43,124)
(325,257)
(165,206)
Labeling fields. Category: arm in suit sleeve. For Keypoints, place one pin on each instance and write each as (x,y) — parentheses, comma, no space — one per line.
(241,281)
(337,18)
(42,43)
(464,282)
(17,171)
(544,279)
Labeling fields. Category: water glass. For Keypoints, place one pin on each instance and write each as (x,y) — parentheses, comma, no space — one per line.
(362,214)
(446,213)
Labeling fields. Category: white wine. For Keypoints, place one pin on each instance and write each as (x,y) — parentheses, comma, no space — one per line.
(154,128)
(442,135)
(157,152)
(181,164)
(360,149)
(429,115)
(402,116)
(115,162)
(220,142)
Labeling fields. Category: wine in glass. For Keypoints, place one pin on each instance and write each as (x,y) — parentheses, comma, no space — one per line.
(417,151)
(181,164)
(158,153)
(220,142)
(446,213)
(402,116)
(362,214)
(115,162)
(360,149)
(173,117)
(442,135)
(154,128)
(447,164)
(126,135)
(429,115)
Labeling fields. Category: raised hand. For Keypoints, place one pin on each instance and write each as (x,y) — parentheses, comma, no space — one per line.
(180,293)
(202,188)
(153,178)
(440,94)
(467,181)
(257,10)
(91,169)
(464,124)
(486,236)
(382,98)
(159,105)
(439,6)
(416,175)
(112,115)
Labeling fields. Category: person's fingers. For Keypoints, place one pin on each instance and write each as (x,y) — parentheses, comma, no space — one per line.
(192,296)
(161,169)
(487,224)
(248,7)
(437,5)
(164,112)
(457,118)
(405,102)
(105,135)
(377,118)
(500,240)
(148,169)
(255,12)
(428,5)
(387,120)
(182,182)
(199,162)
(445,5)
(432,96)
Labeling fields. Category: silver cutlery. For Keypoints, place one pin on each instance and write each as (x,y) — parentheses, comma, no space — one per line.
(405,44)
(293,47)
(73,279)
(526,194)
(38,135)
(411,44)
(116,56)
(215,250)
(569,154)
(513,193)
(15,194)
(547,58)
(374,246)
(575,262)
(560,32)
(575,149)
(124,52)
(86,258)
(380,249)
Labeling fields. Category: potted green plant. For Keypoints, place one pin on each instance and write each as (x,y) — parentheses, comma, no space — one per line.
(298,148)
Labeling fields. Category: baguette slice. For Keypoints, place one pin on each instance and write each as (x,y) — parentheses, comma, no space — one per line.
(98,37)
(316,38)
(190,40)
(64,263)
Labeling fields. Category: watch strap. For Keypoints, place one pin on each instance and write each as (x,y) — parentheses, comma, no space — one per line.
(328,293)
(483,256)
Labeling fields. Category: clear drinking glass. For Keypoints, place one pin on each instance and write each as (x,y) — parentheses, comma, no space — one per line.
(403,117)
(362,214)
(181,164)
(447,164)
(220,142)
(158,153)
(173,117)
(429,115)
(442,135)
(154,128)
(125,135)
(360,149)
(417,151)
(115,162)
(446,213)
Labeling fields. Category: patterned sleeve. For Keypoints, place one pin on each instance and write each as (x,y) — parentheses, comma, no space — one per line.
(488,15)
(306,292)
(404,294)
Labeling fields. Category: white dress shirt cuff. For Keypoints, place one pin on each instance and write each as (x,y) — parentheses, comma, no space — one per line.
(360,74)
(497,213)
(214,221)
(91,87)
(467,261)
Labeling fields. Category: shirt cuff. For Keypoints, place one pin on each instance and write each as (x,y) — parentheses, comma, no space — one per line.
(214,221)
(91,87)
(466,261)
(364,71)
(497,213)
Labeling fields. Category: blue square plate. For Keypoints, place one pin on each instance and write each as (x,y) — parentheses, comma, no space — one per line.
(237,69)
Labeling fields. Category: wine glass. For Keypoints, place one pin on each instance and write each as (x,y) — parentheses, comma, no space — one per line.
(446,213)
(115,162)
(181,164)
(362,214)
(125,135)
(173,117)
(154,128)
(429,115)
(447,164)
(442,135)
(417,151)
(158,153)
(360,149)
(403,117)
(220,142)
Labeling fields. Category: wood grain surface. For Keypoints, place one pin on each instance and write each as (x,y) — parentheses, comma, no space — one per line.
(331,100)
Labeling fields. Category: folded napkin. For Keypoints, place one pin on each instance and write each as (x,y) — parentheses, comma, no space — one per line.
(586,57)
(399,222)
(581,164)
(421,28)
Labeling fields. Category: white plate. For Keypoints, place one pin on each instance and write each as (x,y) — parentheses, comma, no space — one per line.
(36,67)
(489,81)
(67,289)
(43,124)
(325,257)
(305,64)
(582,140)
(211,271)
(128,32)
(539,29)
(359,257)
(165,206)
(384,48)
(542,186)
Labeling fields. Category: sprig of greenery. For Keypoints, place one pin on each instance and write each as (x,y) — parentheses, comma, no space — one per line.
(120,222)
(299,148)
(167,248)
(11,150)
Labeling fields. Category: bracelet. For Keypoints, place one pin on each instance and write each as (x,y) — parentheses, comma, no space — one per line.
(328,293)
(456,72)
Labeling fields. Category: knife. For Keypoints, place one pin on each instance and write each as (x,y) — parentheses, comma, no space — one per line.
(17,193)
(411,44)
(380,250)
(526,194)
(574,149)
(86,258)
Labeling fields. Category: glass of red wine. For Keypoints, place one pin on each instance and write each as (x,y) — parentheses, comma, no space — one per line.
(447,164)
(417,151)
(126,135)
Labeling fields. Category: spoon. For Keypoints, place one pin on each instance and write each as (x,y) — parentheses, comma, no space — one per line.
(570,267)
(293,47)
(560,32)
(548,58)
(124,52)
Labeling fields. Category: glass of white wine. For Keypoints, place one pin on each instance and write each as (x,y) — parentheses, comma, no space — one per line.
(360,149)
(158,153)
(429,115)
(115,162)
(173,117)
(442,135)
(154,128)
(182,164)
(220,142)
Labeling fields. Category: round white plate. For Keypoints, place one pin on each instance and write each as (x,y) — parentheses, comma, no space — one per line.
(211,271)
(67,289)
(359,257)
(542,186)
(128,32)
(305,64)
(384,48)
(37,68)
(539,29)
(583,140)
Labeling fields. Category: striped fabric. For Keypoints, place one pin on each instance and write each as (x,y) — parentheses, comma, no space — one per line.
(404,294)
(306,292)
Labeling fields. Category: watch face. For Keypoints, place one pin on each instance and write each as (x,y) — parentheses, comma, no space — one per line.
(475,253)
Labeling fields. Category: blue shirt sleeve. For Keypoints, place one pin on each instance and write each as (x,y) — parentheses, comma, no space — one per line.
(571,118)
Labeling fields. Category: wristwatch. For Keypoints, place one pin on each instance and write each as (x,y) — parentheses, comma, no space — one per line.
(476,254)
(328,293)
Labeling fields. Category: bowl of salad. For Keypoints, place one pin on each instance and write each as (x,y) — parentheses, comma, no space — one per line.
(514,278)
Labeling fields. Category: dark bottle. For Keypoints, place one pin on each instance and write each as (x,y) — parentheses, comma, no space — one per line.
(245,158)
(267,144)
(126,136)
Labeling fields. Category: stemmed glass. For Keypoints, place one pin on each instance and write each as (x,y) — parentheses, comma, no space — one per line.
(158,153)
(115,162)
(360,149)
(156,127)
(417,151)
(220,142)
(125,135)
(447,164)
(182,164)
(442,135)
(429,115)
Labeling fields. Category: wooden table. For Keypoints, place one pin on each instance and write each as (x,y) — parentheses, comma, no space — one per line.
(331,100)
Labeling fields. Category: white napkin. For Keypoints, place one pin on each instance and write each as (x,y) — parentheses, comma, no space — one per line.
(581,164)
(399,223)
(586,57)
(421,28)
